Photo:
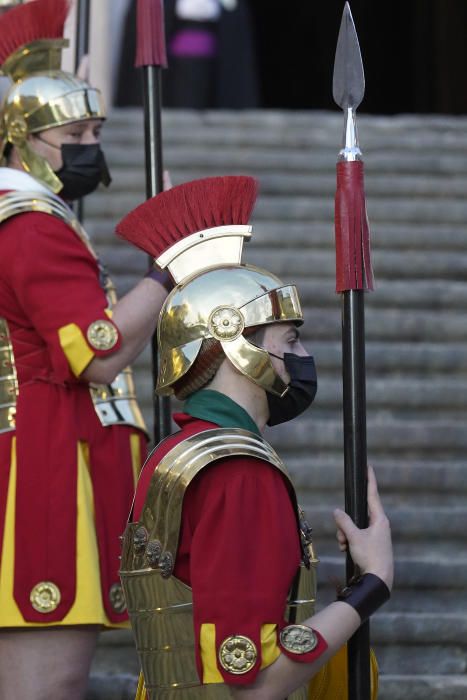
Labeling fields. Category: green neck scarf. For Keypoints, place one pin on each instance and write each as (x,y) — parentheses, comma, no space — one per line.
(217,408)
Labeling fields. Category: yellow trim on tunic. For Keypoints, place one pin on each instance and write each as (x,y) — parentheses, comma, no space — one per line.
(74,345)
(207,640)
(136,461)
(269,652)
(87,608)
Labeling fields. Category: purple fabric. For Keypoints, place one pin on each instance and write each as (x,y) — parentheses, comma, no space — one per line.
(195,43)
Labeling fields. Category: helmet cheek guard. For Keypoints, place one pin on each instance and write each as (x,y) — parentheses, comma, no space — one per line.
(193,313)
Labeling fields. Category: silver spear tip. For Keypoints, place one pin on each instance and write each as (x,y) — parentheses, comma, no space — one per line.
(348,82)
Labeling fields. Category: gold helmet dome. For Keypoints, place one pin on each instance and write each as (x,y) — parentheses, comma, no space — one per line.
(196,231)
(42,96)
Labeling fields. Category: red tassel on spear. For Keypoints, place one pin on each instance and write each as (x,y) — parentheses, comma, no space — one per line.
(151,56)
(354,276)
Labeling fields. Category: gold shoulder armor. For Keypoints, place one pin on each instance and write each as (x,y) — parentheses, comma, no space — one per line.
(152,541)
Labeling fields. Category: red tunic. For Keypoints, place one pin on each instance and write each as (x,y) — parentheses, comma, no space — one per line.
(239,549)
(49,280)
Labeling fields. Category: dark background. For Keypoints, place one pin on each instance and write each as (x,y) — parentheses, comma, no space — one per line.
(282,52)
(414,53)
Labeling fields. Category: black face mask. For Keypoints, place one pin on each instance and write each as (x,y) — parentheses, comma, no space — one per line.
(301,392)
(84,167)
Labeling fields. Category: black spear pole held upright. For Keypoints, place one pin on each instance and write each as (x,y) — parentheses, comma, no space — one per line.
(354,276)
(151,56)
(83,12)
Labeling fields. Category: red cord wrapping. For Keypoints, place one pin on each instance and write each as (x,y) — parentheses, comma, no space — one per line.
(353,256)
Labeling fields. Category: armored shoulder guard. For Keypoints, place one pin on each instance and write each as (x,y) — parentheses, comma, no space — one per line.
(14,203)
(153,540)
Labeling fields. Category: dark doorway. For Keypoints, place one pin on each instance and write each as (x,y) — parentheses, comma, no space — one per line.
(414,53)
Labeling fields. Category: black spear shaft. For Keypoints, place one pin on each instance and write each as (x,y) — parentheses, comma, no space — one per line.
(355,468)
(83,12)
(151,56)
(152,101)
(353,276)
(83,9)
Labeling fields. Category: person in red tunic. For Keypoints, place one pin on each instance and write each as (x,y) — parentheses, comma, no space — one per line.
(217,562)
(72,438)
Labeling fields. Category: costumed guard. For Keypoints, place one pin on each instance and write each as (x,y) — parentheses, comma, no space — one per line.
(72,438)
(217,565)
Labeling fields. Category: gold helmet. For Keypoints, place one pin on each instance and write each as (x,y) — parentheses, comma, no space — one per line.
(42,96)
(196,231)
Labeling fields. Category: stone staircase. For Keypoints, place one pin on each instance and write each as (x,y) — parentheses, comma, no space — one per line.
(416,322)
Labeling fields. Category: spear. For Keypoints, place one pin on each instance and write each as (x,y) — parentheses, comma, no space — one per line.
(81,50)
(151,56)
(82,31)
(354,276)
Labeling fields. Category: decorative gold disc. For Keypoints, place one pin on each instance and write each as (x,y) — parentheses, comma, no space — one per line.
(18,130)
(102,335)
(45,597)
(298,639)
(226,323)
(117,598)
(237,654)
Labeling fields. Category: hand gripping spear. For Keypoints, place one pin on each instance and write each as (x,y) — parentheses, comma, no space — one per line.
(353,276)
(151,56)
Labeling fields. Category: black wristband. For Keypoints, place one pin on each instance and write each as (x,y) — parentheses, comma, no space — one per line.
(161,276)
(366,594)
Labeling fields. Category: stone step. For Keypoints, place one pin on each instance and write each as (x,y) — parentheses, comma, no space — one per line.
(394,687)
(312,156)
(107,686)
(430,572)
(423,524)
(293,120)
(318,130)
(439,393)
(392,235)
(400,359)
(415,628)
(406,438)
(390,185)
(415,687)
(406,600)
(440,479)
(430,437)
(405,280)
(394,324)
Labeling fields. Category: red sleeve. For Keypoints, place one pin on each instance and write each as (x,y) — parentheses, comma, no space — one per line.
(244,554)
(56,281)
